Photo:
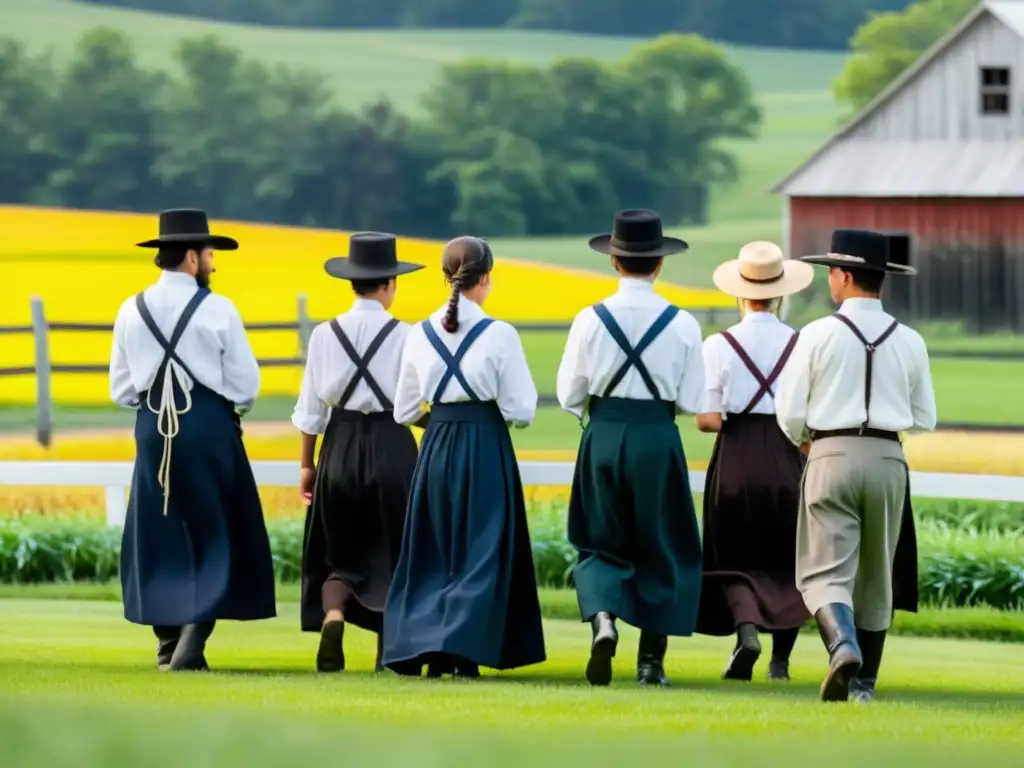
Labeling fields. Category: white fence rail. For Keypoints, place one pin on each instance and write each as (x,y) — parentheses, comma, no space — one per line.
(116,478)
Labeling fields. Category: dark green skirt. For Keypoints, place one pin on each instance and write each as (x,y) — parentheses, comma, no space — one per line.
(631,518)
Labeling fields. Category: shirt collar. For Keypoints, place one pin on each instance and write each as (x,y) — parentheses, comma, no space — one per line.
(636,284)
(760,317)
(861,304)
(177,278)
(468,309)
(367,305)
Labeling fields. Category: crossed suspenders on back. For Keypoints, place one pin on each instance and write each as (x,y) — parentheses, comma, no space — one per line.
(869,349)
(452,362)
(633,359)
(168,412)
(362,364)
(765,383)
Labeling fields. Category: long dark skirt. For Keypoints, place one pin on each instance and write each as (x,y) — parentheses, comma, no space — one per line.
(354,523)
(751,497)
(904,572)
(631,518)
(464,586)
(209,557)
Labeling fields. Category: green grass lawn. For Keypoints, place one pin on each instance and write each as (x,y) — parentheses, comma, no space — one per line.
(78,687)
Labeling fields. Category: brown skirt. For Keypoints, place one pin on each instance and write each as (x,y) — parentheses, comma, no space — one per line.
(751,498)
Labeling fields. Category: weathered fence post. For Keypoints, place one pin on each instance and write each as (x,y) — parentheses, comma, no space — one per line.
(44,397)
(305,326)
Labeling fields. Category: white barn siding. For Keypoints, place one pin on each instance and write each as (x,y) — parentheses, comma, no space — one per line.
(943,101)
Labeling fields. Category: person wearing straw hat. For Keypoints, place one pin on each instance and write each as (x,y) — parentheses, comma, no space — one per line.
(752,486)
(358,489)
(855,381)
(195,548)
(631,363)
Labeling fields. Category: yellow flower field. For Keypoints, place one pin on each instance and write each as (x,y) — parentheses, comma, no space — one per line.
(953,452)
(84,265)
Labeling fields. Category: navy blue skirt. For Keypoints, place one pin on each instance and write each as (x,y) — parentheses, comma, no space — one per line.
(464,586)
(209,557)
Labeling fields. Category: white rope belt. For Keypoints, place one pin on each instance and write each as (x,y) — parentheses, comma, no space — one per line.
(169,410)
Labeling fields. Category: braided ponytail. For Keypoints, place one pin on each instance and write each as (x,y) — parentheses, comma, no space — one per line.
(465,262)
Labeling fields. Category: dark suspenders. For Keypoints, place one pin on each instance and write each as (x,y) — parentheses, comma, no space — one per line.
(764,382)
(183,321)
(869,348)
(633,359)
(362,363)
(453,362)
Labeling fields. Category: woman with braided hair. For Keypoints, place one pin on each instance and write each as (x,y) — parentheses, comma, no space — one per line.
(464,594)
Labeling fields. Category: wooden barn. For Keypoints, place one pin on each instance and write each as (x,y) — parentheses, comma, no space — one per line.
(938,155)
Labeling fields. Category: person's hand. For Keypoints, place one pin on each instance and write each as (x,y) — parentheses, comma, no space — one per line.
(307,480)
(805,448)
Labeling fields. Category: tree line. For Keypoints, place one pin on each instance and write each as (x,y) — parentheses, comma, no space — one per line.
(806,24)
(499,149)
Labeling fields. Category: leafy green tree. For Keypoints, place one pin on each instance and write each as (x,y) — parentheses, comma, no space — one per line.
(889,43)
(27,98)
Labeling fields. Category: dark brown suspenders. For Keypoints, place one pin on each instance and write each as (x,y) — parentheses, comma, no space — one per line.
(765,382)
(869,349)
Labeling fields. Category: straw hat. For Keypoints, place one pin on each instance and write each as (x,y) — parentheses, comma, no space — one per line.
(761,272)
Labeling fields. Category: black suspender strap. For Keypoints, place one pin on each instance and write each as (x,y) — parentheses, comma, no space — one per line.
(168,413)
(633,359)
(453,362)
(764,382)
(362,363)
(869,348)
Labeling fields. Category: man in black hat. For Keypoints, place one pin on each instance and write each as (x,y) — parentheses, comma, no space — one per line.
(855,381)
(359,488)
(195,546)
(631,364)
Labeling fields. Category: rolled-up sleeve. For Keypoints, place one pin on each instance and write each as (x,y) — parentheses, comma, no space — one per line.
(517,394)
(311,414)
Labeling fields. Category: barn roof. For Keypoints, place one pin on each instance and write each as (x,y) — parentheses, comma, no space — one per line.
(909,168)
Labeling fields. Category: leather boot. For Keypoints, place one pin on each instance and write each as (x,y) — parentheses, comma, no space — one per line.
(745,655)
(189,655)
(782,646)
(862,687)
(835,624)
(602,648)
(167,641)
(650,659)
(330,656)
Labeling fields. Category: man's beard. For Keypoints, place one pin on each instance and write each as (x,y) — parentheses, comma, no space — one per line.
(203,279)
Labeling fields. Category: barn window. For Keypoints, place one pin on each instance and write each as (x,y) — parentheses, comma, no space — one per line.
(995,90)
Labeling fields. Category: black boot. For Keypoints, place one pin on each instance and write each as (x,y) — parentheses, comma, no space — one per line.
(650,659)
(745,655)
(602,649)
(466,670)
(782,646)
(330,656)
(442,664)
(189,655)
(167,641)
(835,624)
(862,687)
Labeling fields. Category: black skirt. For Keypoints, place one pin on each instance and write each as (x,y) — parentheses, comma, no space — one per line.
(465,586)
(751,498)
(631,518)
(209,557)
(354,523)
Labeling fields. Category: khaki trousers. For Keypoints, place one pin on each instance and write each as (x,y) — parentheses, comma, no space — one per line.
(851,507)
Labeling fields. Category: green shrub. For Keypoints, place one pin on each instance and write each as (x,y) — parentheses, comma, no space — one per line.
(958,567)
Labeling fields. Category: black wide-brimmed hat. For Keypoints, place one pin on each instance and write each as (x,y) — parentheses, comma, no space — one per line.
(371,256)
(188,225)
(863,249)
(637,233)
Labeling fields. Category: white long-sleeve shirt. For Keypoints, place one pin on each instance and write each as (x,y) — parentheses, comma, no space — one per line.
(730,386)
(592,357)
(494,367)
(822,386)
(329,369)
(214,346)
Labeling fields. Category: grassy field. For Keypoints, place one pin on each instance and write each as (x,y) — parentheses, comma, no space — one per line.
(78,666)
(793,87)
